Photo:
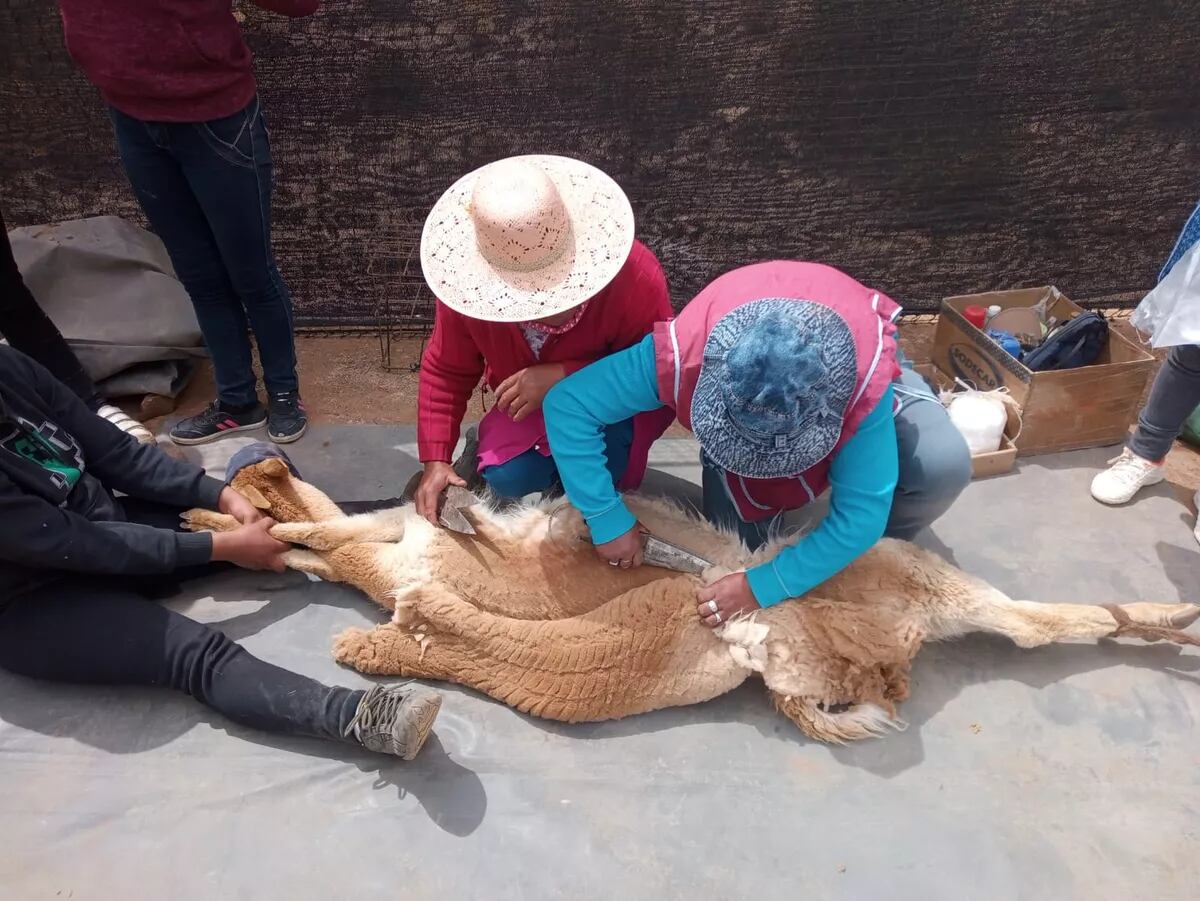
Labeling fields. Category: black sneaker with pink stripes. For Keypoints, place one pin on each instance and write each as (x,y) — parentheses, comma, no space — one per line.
(286,419)
(217,422)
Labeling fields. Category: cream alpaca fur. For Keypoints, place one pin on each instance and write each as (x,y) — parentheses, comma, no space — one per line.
(525,612)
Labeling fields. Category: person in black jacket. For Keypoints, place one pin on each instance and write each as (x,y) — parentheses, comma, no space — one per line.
(79,569)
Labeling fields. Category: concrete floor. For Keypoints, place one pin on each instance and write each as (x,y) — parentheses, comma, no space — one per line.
(1063,772)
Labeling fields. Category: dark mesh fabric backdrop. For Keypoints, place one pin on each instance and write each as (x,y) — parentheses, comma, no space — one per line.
(928,147)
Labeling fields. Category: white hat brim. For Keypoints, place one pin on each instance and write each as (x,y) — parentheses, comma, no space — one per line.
(601,240)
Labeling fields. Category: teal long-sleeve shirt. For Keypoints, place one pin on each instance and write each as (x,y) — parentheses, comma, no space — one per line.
(862,476)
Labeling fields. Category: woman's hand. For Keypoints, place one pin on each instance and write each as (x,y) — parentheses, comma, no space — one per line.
(251,547)
(522,392)
(626,551)
(724,599)
(232,503)
(429,493)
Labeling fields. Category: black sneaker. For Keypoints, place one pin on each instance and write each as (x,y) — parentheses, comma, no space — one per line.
(395,719)
(287,420)
(216,422)
(466,467)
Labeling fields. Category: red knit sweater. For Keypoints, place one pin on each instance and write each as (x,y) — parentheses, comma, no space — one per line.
(167,60)
(461,349)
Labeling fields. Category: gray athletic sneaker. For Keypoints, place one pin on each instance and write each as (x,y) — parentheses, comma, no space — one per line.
(395,719)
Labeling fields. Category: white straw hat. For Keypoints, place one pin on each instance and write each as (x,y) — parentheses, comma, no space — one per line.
(526,237)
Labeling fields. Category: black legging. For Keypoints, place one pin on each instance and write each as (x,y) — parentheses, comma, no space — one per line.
(29,329)
(108,630)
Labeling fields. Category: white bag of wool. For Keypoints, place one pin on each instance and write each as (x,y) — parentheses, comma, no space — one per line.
(980,416)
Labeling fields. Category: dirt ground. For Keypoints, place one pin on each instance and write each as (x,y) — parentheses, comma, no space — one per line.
(344,381)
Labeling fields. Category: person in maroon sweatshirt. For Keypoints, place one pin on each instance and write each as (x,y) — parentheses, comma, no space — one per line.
(178,80)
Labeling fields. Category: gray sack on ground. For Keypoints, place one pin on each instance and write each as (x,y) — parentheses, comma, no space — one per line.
(110,288)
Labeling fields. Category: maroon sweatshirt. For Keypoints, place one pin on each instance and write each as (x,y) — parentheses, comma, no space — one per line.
(167,60)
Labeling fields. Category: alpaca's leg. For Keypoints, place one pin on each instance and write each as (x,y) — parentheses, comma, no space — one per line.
(298,559)
(377,570)
(315,502)
(386,650)
(383,526)
(308,562)
(208,521)
(1030,624)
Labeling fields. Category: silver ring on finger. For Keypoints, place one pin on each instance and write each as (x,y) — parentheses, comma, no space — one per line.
(614,562)
(713,608)
(717,617)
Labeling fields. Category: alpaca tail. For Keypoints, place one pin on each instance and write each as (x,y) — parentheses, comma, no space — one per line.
(852,724)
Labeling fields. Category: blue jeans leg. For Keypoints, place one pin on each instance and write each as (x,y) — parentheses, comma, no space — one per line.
(1174,396)
(228,163)
(522,475)
(175,215)
(216,214)
(530,471)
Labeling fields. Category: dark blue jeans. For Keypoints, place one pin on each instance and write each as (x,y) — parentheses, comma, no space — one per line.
(530,471)
(205,187)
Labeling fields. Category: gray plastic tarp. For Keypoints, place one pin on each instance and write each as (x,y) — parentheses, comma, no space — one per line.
(110,288)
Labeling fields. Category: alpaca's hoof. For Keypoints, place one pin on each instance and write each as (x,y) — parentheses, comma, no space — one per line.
(1172,616)
(349,645)
(207,521)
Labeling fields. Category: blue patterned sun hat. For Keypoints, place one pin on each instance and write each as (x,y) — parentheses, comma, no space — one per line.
(777,379)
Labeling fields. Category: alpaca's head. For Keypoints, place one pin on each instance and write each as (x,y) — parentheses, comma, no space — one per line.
(836,670)
(270,486)
(838,654)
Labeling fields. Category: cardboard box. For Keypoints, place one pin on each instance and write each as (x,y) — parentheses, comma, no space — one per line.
(1067,410)
(997,462)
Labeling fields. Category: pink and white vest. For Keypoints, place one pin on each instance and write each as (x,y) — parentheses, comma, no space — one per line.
(679,355)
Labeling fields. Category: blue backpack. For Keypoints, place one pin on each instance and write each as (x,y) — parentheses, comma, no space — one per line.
(1071,345)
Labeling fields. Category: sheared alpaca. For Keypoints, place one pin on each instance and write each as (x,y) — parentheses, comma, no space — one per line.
(524,611)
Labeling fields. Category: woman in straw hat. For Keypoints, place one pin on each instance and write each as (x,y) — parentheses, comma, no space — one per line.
(791,379)
(536,273)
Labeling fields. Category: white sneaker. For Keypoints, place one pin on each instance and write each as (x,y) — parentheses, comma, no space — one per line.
(126,424)
(1126,476)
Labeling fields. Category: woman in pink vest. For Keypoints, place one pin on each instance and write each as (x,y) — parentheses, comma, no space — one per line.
(791,379)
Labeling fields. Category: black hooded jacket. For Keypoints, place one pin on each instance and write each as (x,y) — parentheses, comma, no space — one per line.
(60,466)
